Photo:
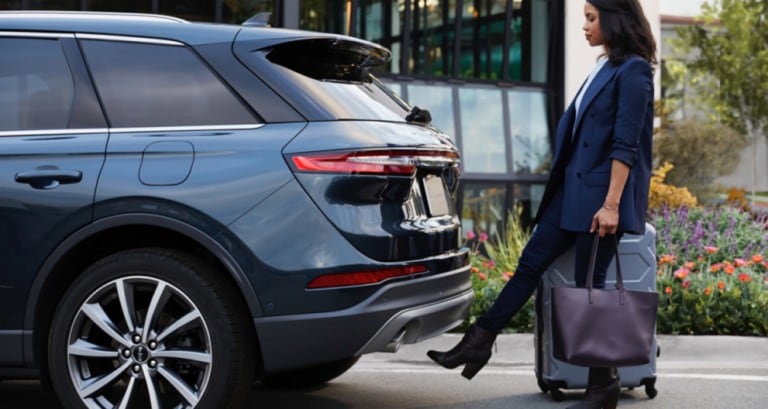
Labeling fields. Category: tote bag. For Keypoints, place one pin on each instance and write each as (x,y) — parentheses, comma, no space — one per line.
(603,327)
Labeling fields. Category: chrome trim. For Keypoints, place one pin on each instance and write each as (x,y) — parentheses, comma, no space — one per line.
(187,128)
(127,39)
(43,132)
(35,34)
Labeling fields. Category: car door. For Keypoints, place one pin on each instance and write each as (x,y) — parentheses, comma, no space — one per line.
(52,143)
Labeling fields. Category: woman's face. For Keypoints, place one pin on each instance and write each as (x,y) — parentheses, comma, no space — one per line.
(592,25)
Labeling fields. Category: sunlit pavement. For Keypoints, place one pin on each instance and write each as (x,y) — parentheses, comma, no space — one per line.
(701,372)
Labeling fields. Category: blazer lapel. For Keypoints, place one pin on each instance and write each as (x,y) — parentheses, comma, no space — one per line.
(602,78)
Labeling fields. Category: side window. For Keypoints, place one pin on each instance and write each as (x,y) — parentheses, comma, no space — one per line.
(36,86)
(146,85)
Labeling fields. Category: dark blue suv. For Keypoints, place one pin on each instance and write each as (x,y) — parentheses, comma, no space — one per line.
(188,208)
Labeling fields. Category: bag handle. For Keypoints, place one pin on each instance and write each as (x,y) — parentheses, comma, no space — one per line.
(593,262)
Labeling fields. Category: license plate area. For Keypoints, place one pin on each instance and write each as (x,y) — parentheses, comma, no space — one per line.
(438,201)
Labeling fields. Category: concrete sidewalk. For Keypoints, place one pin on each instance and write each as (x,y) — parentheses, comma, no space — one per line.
(690,352)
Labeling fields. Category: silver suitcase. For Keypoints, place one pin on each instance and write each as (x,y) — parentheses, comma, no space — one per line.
(638,264)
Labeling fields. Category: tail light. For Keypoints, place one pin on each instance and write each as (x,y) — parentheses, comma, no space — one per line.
(363,277)
(380,162)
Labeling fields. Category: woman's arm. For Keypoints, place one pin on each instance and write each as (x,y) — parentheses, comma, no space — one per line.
(606,220)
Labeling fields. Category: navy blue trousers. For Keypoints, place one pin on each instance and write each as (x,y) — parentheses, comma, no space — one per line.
(546,244)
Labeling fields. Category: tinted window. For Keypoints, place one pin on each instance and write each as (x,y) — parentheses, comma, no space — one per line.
(335,75)
(36,86)
(160,85)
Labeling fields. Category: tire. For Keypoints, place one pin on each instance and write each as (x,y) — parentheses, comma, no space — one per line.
(311,376)
(150,328)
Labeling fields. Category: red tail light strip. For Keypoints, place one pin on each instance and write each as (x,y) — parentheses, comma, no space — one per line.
(390,162)
(362,277)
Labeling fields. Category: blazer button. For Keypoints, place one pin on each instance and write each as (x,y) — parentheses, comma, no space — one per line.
(586,144)
(578,175)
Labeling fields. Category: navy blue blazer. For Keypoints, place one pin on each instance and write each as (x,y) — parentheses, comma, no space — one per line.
(615,121)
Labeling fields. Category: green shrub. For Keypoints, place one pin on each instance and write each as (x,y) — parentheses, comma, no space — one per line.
(700,152)
(493,261)
(663,195)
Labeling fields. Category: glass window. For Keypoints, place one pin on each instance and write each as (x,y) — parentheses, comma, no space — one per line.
(36,86)
(53,5)
(134,6)
(438,100)
(193,10)
(334,75)
(482,130)
(237,11)
(10,4)
(484,208)
(529,131)
(528,197)
(328,16)
(158,85)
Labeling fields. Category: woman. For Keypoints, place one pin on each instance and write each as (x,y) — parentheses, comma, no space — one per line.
(598,185)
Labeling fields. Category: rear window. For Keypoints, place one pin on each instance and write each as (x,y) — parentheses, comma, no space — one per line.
(337,74)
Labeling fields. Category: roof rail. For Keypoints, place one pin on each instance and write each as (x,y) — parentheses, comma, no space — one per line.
(90,14)
(259,20)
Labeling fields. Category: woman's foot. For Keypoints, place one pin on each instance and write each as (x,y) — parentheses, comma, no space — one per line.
(473,351)
(602,393)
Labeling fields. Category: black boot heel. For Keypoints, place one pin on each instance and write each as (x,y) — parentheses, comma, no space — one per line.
(472,368)
(473,351)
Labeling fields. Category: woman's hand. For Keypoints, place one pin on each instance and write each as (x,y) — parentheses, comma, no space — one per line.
(606,221)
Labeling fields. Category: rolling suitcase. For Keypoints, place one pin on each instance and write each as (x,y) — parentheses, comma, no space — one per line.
(638,264)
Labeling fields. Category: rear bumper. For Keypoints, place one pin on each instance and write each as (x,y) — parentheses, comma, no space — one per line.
(401,312)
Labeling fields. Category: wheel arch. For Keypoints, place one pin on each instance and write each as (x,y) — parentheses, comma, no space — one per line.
(107,236)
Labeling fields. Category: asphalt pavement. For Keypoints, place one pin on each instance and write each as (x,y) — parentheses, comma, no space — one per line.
(694,372)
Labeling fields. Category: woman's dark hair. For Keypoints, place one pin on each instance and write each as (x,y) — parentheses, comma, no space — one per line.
(626,30)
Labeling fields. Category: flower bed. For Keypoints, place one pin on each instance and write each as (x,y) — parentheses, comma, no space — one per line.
(712,271)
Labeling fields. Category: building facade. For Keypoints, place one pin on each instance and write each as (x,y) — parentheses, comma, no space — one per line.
(495,74)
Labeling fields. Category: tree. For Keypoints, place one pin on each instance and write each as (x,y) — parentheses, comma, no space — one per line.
(729,59)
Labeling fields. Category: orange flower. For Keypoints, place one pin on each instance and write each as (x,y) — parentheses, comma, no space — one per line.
(744,278)
(689,265)
(740,262)
(681,273)
(710,249)
(475,270)
(729,269)
(757,258)
(721,285)
(707,291)
(483,276)
(668,290)
(714,268)
(666,259)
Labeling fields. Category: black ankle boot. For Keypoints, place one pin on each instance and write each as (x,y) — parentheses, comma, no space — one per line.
(474,351)
(603,390)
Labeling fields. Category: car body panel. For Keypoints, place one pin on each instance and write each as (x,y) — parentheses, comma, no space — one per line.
(231,194)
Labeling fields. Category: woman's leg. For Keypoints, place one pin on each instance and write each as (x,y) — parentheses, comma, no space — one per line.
(546,244)
(603,384)
(474,350)
(605,255)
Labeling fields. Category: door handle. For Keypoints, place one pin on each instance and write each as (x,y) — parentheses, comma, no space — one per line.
(49,178)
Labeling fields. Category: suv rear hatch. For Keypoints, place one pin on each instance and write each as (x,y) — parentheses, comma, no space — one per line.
(388,184)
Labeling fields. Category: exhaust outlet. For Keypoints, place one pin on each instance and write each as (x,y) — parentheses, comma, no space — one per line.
(394,344)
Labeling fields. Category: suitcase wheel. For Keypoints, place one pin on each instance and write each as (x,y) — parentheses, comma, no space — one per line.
(554,390)
(650,387)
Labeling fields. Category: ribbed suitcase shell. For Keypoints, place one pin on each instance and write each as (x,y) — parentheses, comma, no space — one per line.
(638,264)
